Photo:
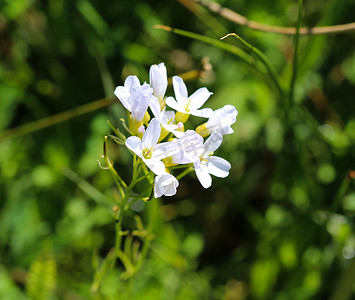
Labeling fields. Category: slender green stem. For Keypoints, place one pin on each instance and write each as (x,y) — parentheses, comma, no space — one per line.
(244,56)
(118,133)
(177,167)
(140,178)
(187,171)
(341,191)
(295,56)
(264,60)
(230,48)
(55,119)
(119,181)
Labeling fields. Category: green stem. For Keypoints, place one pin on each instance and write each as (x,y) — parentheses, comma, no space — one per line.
(119,181)
(295,56)
(264,60)
(230,48)
(187,171)
(118,133)
(55,119)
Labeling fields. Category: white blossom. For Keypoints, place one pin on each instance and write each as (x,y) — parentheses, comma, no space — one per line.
(147,148)
(189,105)
(183,150)
(135,97)
(220,121)
(158,80)
(165,184)
(208,164)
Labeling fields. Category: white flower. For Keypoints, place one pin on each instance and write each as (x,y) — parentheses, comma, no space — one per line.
(183,150)
(135,97)
(165,184)
(147,148)
(189,105)
(208,164)
(220,121)
(158,79)
(166,118)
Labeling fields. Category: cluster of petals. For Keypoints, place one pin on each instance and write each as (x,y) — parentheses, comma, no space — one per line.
(163,142)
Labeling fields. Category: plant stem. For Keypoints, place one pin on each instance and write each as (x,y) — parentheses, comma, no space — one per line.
(55,119)
(264,60)
(295,55)
(187,171)
(241,20)
(119,181)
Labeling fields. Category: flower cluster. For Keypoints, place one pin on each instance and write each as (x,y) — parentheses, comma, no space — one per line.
(162,141)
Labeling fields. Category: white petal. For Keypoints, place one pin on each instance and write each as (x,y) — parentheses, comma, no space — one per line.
(158,190)
(171,102)
(222,119)
(155,107)
(163,150)
(156,166)
(203,176)
(152,134)
(199,98)
(158,80)
(134,144)
(218,166)
(165,124)
(212,143)
(165,184)
(123,94)
(140,99)
(170,114)
(180,89)
(189,146)
(131,81)
(204,112)
(231,111)
(171,188)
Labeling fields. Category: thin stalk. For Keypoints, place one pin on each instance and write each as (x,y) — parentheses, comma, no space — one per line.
(263,59)
(342,190)
(55,119)
(230,48)
(119,181)
(248,59)
(187,171)
(295,55)
(118,133)
(241,20)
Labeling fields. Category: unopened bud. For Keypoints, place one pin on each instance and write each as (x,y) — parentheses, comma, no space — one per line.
(180,127)
(141,131)
(146,118)
(181,117)
(202,130)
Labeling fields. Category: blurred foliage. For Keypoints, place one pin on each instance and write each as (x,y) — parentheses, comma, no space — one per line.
(279,227)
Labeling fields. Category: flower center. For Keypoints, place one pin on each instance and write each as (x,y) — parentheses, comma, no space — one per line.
(187,109)
(203,160)
(148,153)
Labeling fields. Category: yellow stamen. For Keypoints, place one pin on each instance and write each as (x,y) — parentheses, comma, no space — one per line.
(148,153)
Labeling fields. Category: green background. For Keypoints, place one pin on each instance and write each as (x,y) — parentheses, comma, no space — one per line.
(280,226)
